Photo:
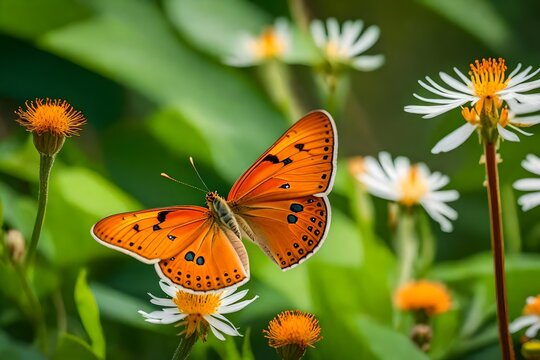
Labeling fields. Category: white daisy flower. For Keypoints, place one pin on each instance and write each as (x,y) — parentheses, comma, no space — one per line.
(198,312)
(530,318)
(505,99)
(345,46)
(274,43)
(410,185)
(529,201)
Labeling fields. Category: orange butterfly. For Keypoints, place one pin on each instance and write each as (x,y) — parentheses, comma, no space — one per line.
(280,203)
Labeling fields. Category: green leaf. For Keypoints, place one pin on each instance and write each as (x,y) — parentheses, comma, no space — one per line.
(89,313)
(385,343)
(479,17)
(39,16)
(14,350)
(228,112)
(124,308)
(71,347)
(247,352)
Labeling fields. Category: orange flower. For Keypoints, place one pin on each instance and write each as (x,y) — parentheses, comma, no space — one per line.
(54,116)
(293,329)
(50,122)
(430,297)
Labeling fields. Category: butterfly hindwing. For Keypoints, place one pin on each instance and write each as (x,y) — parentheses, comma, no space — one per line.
(289,231)
(215,259)
(300,163)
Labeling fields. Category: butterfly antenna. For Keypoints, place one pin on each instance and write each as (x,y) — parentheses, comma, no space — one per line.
(183,183)
(199,175)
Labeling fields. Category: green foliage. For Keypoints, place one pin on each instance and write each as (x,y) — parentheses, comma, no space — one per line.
(150,77)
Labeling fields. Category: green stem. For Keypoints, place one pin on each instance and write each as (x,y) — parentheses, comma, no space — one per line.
(184,347)
(45,166)
(497,246)
(406,245)
(34,307)
(276,80)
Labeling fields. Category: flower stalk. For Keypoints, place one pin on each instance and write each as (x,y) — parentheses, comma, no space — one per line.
(45,166)
(184,347)
(406,245)
(497,246)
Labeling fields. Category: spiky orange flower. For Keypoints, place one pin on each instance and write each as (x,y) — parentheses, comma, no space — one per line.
(430,297)
(51,116)
(293,328)
(533,306)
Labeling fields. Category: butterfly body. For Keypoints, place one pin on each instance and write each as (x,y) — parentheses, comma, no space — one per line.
(280,203)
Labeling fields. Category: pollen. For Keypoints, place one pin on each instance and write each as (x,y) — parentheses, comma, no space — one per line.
(206,304)
(533,306)
(413,187)
(50,116)
(430,297)
(488,77)
(269,45)
(293,328)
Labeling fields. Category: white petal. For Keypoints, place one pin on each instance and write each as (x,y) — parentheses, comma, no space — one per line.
(368,62)
(437,180)
(532,164)
(317,31)
(351,30)
(445,224)
(382,190)
(514,72)
(526,120)
(507,134)
(221,326)
(444,196)
(531,332)
(235,307)
(465,79)
(455,84)
(217,334)
(522,322)
(441,208)
(454,139)
(513,127)
(230,298)
(168,288)
(529,201)
(385,159)
(366,40)
(333,30)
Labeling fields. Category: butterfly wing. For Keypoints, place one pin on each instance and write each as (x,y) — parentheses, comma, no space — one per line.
(184,242)
(301,162)
(280,201)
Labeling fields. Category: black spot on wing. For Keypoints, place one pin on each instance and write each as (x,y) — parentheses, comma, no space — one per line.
(272,158)
(162,215)
(300,147)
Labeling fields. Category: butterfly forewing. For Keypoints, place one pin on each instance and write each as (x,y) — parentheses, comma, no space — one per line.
(151,235)
(300,163)
(189,247)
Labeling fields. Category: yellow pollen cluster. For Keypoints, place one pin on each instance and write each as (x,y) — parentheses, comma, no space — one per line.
(52,116)
(532,307)
(332,50)
(269,45)
(293,328)
(196,306)
(431,297)
(413,187)
(488,77)
(206,304)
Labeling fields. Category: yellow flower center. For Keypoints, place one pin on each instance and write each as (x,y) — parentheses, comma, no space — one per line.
(488,78)
(413,187)
(332,50)
(52,116)
(269,45)
(431,297)
(293,328)
(533,307)
(196,306)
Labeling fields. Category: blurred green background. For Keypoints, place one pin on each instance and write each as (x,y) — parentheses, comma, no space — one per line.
(148,76)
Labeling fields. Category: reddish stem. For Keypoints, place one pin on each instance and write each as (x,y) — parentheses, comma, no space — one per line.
(497,246)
